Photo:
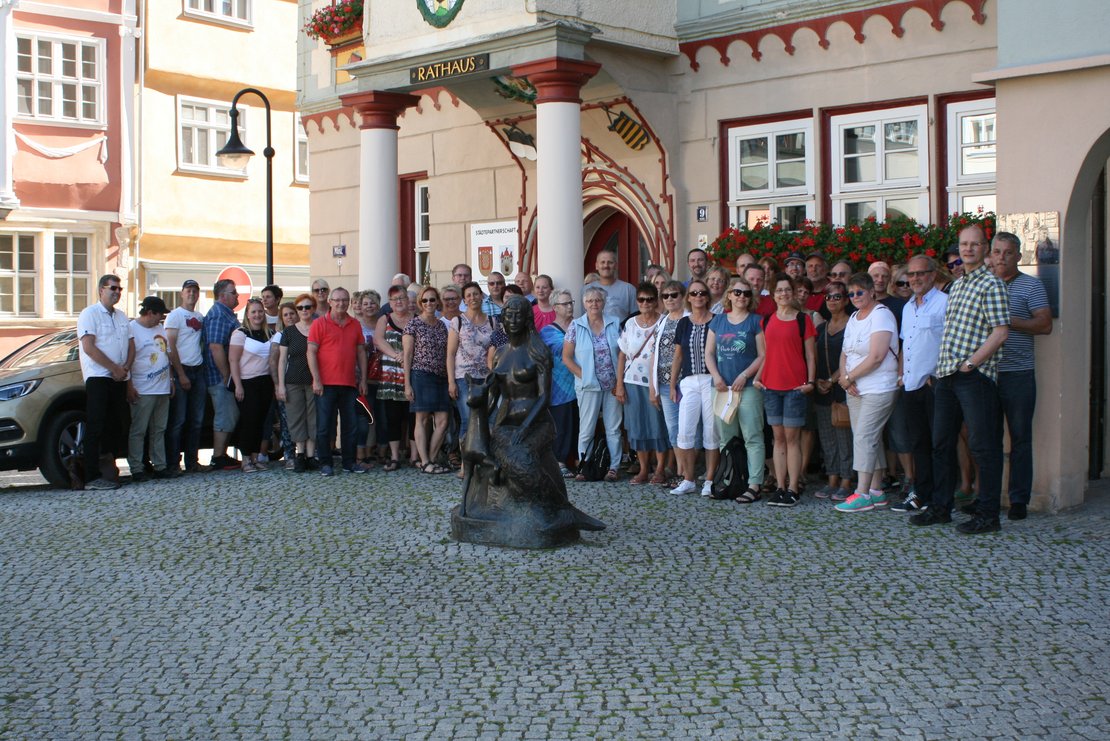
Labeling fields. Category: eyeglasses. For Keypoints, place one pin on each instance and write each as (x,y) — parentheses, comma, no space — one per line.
(450,298)
(918,273)
(320,290)
(671,295)
(697,294)
(564,303)
(855,294)
(645,299)
(428,300)
(834,296)
(495,283)
(114,288)
(955,263)
(306,307)
(741,292)
(399,297)
(902,283)
(784,290)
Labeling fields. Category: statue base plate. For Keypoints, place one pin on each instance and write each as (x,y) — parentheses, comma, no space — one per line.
(508,533)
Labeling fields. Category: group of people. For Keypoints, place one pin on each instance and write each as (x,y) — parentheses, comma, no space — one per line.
(910,359)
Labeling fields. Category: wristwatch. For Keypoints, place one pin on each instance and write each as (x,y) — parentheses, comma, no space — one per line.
(969,365)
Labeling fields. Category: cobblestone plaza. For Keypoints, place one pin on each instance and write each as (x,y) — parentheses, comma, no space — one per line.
(292,606)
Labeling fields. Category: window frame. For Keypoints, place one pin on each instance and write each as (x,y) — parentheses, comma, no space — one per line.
(214,145)
(99,45)
(18,273)
(218,17)
(71,273)
(300,136)
(421,220)
(772,197)
(882,188)
(959,186)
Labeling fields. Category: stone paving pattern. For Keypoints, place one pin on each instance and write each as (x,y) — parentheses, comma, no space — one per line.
(277,605)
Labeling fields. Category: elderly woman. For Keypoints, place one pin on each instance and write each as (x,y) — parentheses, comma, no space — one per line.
(836,442)
(869,374)
(590,352)
(564,403)
(788,374)
(900,284)
(294,384)
(647,431)
(249,357)
(734,351)
(425,358)
(673,295)
(717,281)
(391,389)
(691,388)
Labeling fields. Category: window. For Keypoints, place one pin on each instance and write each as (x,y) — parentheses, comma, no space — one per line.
(204,126)
(880,164)
(771,173)
(422,232)
(18,274)
(300,151)
(972,155)
(234,11)
(59,79)
(71,273)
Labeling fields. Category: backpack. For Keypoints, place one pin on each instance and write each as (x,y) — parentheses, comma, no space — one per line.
(595,461)
(731,479)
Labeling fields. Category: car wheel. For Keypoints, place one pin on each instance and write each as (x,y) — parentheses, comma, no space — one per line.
(63,448)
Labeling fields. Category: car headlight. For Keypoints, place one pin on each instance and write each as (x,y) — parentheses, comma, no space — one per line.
(17,390)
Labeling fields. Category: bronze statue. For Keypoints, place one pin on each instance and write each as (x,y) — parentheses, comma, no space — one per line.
(513,494)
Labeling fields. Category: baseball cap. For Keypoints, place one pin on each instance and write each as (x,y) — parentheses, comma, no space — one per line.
(795,256)
(153,304)
(190,284)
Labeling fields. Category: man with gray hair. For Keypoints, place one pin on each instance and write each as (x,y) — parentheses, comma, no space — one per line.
(621,296)
(1030,315)
(219,323)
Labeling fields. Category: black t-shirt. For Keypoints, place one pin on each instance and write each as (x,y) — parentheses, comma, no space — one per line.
(297,356)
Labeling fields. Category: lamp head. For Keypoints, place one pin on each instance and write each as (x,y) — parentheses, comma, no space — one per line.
(234,154)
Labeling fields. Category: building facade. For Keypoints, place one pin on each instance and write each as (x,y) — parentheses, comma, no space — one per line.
(113,112)
(575,126)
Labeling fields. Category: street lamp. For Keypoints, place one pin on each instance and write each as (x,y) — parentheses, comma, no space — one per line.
(235,155)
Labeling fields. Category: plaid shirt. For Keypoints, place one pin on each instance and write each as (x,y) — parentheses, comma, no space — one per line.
(219,323)
(977,303)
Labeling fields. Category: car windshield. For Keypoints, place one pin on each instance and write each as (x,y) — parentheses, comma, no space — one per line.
(55,348)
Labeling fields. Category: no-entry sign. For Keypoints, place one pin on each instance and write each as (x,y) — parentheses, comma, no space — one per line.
(242,283)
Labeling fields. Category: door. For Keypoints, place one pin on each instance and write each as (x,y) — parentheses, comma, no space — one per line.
(620,234)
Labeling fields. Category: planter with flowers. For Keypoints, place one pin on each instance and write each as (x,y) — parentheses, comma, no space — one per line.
(893,241)
(337,24)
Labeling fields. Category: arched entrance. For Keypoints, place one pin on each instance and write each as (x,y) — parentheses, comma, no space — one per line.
(615,231)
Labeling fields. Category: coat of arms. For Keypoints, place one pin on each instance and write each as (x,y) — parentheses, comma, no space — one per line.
(439,13)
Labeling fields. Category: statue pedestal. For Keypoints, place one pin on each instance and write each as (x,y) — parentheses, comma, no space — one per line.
(509,532)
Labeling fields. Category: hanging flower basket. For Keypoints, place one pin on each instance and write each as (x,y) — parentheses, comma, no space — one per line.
(893,240)
(338,23)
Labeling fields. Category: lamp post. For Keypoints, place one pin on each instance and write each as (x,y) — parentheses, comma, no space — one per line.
(235,155)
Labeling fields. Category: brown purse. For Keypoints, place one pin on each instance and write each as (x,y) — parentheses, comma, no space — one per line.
(840,416)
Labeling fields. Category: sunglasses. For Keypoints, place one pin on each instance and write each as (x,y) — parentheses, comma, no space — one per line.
(697,294)
(495,283)
(834,297)
(428,300)
(856,294)
(113,288)
(955,263)
(306,307)
(645,299)
(902,283)
(741,292)
(671,295)
(320,290)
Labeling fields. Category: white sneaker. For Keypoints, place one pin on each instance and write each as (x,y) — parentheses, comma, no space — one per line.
(263,458)
(707,488)
(685,487)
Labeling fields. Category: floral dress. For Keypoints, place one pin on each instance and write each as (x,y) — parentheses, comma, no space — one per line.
(392,384)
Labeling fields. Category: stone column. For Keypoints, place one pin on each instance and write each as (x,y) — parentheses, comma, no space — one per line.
(378,190)
(8,199)
(559,164)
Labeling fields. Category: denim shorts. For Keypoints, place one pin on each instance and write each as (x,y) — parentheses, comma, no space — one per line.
(786,408)
(224,408)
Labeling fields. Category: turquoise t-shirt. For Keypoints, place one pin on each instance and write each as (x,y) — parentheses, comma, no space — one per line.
(736,348)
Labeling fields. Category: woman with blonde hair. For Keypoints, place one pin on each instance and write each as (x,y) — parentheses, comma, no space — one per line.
(249,357)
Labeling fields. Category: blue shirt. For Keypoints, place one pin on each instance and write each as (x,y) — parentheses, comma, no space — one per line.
(1027,295)
(219,323)
(736,345)
(562,380)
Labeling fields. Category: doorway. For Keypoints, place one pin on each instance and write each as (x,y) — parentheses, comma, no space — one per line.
(619,233)
(1098,404)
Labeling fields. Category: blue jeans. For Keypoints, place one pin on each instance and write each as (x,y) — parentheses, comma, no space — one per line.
(186,417)
(1017,394)
(971,398)
(590,405)
(341,399)
(460,405)
(670,417)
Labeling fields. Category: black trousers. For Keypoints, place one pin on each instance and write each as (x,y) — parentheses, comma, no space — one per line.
(107,422)
(258,394)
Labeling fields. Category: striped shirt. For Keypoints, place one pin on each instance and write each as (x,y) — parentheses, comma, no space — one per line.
(1027,295)
(977,303)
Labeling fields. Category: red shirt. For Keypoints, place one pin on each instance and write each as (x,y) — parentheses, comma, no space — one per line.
(767,306)
(337,349)
(784,367)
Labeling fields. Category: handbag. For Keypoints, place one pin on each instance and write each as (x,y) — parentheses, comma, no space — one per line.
(840,416)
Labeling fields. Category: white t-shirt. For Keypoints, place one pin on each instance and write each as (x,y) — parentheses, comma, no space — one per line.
(857,346)
(150,373)
(189,325)
(113,336)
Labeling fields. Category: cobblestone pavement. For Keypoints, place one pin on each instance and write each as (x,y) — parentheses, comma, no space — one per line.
(290,606)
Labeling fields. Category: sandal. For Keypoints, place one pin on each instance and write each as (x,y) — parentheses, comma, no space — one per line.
(434,469)
(638,479)
(393,465)
(748,496)
(580,477)
(612,475)
(659,477)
